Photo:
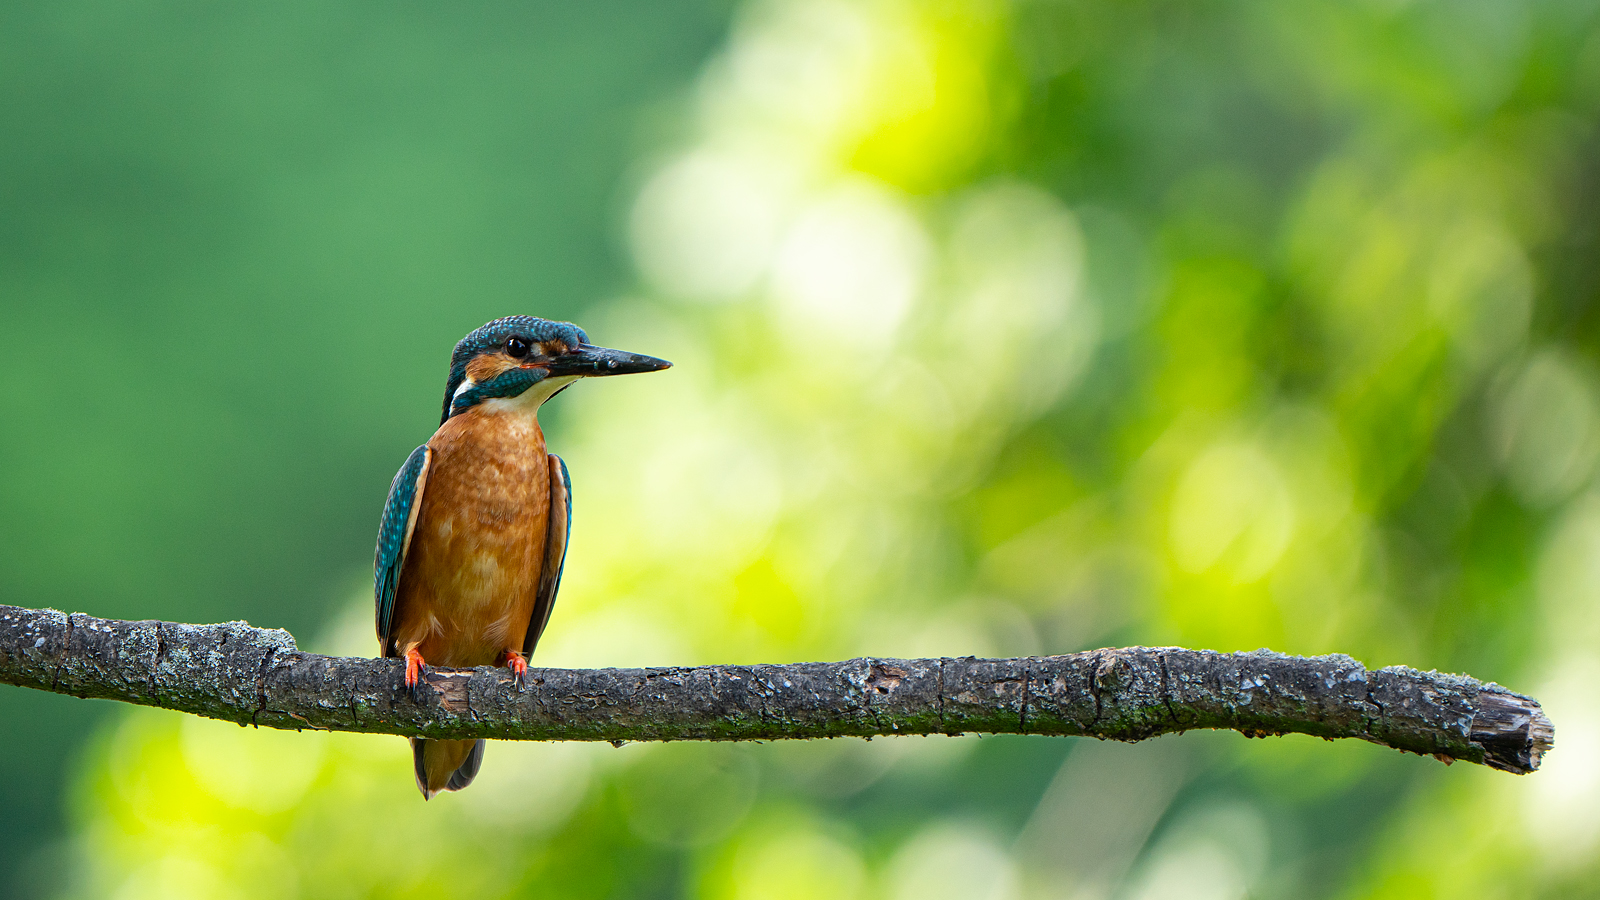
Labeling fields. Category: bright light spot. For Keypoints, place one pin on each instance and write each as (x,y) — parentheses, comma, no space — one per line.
(261,769)
(709,484)
(705,226)
(1214,854)
(1563,803)
(1016,258)
(1200,871)
(1232,507)
(1569,580)
(1017,255)
(797,862)
(850,269)
(1097,814)
(951,862)
(794,69)
(1481,287)
(177,877)
(613,636)
(1546,430)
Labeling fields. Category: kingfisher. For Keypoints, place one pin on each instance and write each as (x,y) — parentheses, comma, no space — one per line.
(474,535)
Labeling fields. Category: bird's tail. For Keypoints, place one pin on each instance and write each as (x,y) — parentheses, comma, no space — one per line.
(445,765)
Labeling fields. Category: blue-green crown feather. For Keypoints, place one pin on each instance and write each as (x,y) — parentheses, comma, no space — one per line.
(532,329)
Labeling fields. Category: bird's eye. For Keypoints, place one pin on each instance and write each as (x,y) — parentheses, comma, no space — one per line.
(516,348)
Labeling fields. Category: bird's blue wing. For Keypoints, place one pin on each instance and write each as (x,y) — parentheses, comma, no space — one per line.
(555,552)
(394,538)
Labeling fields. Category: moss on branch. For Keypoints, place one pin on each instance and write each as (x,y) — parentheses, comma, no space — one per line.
(257,676)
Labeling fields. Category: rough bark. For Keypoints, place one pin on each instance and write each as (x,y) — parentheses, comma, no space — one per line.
(256,676)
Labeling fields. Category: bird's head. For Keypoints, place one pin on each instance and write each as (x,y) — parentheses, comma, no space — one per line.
(529,360)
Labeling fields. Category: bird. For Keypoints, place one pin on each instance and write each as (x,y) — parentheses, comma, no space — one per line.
(473,537)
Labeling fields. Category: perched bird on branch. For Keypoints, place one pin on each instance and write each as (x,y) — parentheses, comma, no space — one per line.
(474,534)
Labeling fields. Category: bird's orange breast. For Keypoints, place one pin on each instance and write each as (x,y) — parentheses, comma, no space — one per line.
(467,590)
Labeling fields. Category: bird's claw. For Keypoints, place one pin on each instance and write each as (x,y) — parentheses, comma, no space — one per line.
(518,666)
(414,680)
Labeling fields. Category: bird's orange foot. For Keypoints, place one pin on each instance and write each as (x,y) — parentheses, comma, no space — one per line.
(518,665)
(414,666)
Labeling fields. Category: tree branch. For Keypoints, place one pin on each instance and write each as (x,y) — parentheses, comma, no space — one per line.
(257,676)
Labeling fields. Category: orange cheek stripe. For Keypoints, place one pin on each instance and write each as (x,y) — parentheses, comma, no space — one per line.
(486,367)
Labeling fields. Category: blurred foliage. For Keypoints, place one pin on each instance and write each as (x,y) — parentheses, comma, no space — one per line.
(999,329)
(236,246)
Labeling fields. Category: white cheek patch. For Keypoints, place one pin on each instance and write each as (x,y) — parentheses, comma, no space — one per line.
(467,385)
(547,388)
(528,402)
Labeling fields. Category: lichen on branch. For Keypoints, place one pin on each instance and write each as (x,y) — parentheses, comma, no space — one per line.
(257,676)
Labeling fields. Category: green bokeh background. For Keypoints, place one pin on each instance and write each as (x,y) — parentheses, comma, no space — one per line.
(1001,328)
(238,244)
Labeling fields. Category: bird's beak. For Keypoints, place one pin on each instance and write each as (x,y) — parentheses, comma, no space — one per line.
(587,360)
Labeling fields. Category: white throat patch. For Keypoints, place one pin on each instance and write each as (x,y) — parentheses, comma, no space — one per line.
(529,401)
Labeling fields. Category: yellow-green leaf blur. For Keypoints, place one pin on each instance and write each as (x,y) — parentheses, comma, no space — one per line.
(999,328)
